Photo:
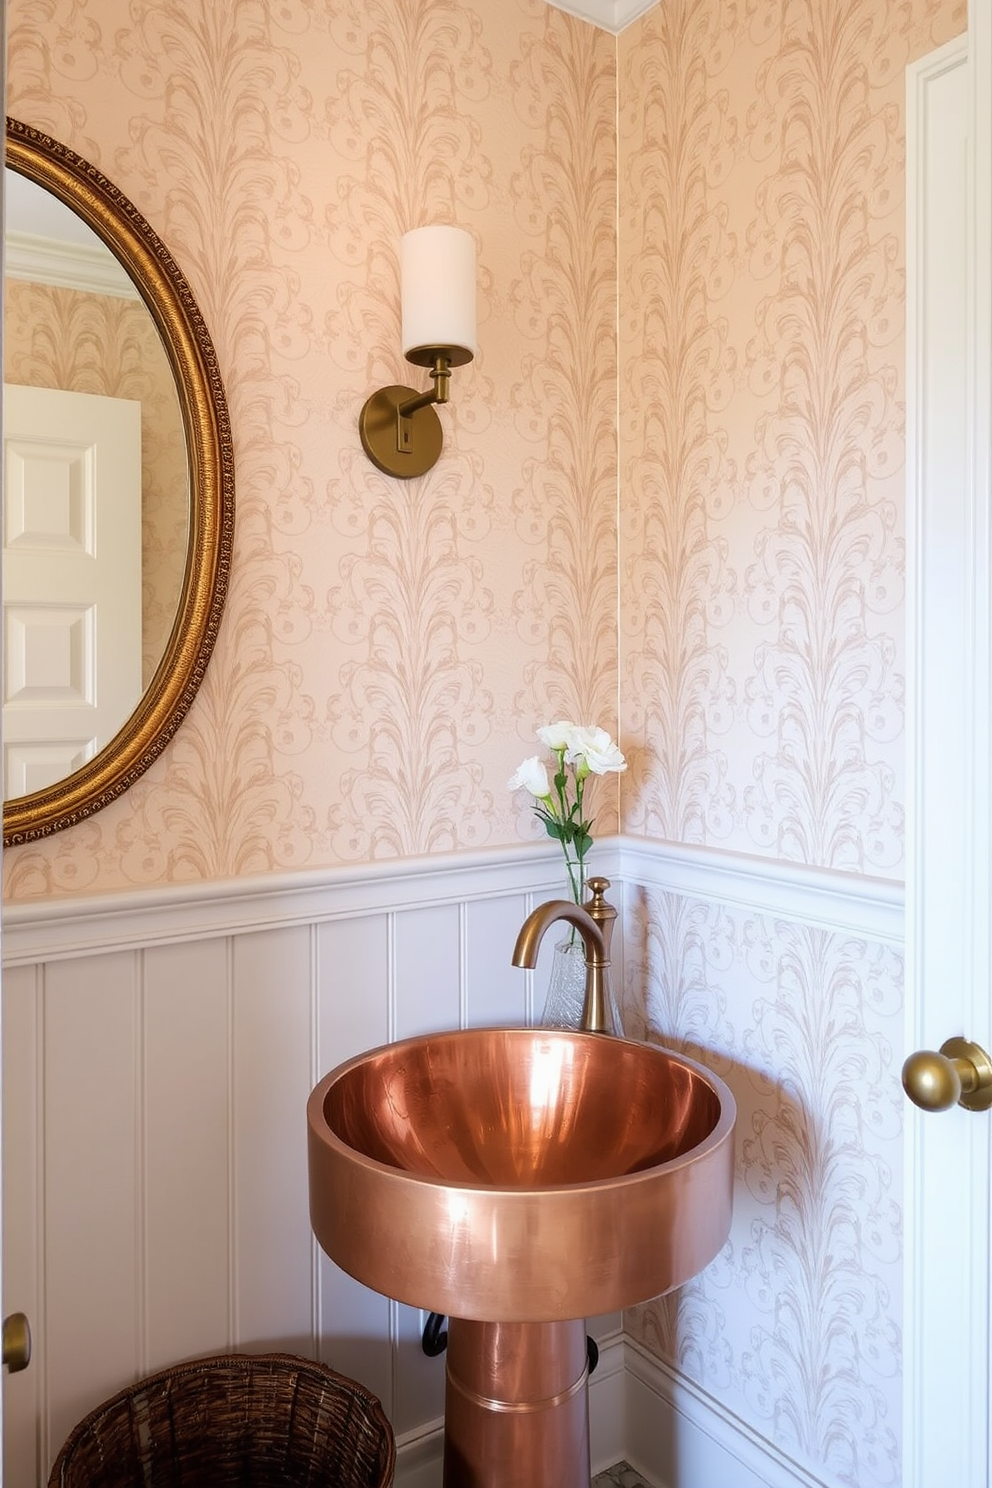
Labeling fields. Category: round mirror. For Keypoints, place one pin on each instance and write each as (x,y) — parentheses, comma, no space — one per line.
(119,491)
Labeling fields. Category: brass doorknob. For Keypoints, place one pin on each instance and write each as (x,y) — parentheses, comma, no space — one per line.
(16,1342)
(959,1075)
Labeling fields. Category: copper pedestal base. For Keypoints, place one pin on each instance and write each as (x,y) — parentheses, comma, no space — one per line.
(516,1405)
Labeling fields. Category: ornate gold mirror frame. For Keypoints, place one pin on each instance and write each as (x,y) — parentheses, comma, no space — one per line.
(211,489)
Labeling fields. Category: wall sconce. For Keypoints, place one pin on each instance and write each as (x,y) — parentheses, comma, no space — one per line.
(401,433)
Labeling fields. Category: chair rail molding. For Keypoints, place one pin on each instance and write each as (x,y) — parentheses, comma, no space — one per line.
(846,903)
(55,929)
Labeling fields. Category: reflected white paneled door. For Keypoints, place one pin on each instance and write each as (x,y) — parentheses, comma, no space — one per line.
(71,579)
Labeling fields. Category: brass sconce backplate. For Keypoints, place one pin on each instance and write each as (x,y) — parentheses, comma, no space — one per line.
(403,447)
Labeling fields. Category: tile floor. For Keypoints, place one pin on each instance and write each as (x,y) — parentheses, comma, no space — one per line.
(620,1476)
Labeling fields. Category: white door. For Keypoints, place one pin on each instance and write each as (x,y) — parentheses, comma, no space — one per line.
(71,579)
(949,918)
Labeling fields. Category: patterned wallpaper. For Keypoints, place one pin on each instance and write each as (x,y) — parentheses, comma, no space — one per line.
(92,343)
(796,1327)
(761,416)
(389,647)
(761,287)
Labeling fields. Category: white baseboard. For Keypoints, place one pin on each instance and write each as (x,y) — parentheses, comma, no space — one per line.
(680,1437)
(642,1412)
(419,1453)
(607,1406)
(419,1457)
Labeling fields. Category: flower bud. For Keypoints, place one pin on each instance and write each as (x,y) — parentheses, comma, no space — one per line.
(533,776)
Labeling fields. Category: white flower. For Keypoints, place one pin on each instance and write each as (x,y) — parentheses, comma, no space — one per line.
(557,736)
(594,748)
(533,776)
(577,754)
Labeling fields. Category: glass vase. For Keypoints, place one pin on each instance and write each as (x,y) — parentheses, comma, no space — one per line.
(567,985)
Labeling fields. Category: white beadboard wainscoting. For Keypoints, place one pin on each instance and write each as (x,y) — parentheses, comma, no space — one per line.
(159,1048)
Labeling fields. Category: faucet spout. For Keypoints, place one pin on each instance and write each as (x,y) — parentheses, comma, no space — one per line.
(595,1011)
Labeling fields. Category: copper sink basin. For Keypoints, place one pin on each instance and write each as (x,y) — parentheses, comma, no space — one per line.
(521,1175)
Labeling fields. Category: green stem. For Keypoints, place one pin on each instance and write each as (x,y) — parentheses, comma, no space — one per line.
(561,781)
(576,883)
(580,851)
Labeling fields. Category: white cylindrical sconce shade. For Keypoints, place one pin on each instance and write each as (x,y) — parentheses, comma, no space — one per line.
(437,278)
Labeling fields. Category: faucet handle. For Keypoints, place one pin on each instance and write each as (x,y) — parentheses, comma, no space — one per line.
(597,908)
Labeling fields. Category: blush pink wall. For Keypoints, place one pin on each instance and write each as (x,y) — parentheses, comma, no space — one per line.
(761,365)
(762,299)
(388,648)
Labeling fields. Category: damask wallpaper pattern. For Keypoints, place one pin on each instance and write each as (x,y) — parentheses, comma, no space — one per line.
(761,291)
(796,1327)
(761,395)
(389,648)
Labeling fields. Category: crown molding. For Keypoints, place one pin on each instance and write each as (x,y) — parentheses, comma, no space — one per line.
(68,265)
(610,15)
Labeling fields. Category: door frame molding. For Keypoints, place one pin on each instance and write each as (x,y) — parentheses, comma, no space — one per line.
(949,612)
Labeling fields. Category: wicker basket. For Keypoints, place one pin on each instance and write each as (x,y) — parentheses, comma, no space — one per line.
(255,1421)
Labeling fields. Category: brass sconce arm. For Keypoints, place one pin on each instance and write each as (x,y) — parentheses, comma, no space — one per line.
(400,432)
(441,373)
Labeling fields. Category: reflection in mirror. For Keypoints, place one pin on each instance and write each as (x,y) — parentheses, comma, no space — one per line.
(118,473)
(76,328)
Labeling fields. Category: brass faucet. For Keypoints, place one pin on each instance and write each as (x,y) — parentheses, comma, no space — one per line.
(594,922)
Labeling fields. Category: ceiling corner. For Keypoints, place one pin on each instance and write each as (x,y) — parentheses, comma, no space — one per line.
(610,15)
